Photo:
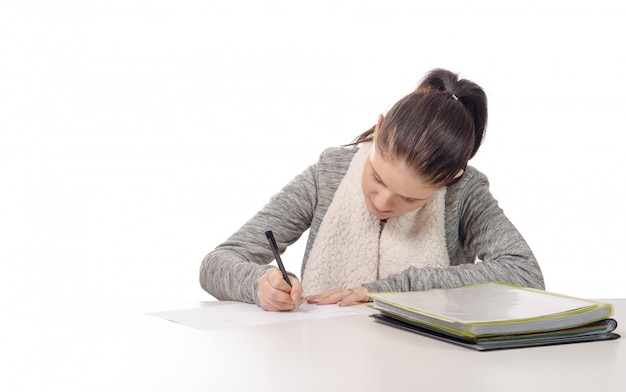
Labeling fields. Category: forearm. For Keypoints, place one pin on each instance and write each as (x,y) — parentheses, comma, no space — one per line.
(231,271)
(514,270)
(228,277)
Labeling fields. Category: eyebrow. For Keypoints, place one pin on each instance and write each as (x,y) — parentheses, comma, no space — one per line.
(383,182)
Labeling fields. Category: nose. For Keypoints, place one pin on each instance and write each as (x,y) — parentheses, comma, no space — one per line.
(383,200)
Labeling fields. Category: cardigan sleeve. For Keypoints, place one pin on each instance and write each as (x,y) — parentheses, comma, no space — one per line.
(231,271)
(481,230)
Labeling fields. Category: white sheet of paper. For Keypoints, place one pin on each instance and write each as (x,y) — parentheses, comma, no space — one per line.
(240,315)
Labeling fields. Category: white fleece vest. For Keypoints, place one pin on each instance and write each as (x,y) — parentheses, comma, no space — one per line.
(351,249)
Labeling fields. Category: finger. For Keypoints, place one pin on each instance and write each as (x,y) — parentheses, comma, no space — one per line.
(277,307)
(276,280)
(296,291)
(317,298)
(358,294)
(272,298)
(349,299)
(329,297)
(346,298)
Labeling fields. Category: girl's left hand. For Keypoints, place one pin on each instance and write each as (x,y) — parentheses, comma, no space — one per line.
(341,297)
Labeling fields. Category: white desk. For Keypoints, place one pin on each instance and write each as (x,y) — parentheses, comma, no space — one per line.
(117,347)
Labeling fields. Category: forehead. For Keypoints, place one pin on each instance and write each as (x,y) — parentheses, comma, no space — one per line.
(399,178)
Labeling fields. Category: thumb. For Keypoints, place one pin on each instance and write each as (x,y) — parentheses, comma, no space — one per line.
(296,291)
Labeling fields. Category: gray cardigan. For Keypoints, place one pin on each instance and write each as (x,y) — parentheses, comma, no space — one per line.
(483,245)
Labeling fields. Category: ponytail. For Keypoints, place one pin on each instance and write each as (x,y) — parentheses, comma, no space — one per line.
(468,93)
(436,129)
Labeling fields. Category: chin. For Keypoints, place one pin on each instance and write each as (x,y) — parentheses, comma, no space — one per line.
(381,215)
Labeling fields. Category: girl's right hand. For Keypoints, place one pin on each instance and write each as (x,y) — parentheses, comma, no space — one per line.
(275,294)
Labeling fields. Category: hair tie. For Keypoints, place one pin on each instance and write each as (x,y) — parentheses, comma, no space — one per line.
(455,97)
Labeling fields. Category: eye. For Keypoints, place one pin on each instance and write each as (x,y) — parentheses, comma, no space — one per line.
(411,201)
(376,179)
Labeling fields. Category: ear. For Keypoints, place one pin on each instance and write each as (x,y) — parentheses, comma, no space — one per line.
(460,173)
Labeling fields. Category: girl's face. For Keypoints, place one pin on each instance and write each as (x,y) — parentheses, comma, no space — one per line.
(391,189)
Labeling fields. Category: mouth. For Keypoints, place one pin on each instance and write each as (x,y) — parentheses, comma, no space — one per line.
(375,209)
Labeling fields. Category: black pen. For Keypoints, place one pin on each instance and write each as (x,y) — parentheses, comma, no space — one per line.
(272,241)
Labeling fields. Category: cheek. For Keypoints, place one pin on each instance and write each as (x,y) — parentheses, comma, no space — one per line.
(369,187)
(408,207)
(365,184)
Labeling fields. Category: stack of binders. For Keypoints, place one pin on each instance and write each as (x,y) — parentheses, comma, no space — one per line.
(492,316)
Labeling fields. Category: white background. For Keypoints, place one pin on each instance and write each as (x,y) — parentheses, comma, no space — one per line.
(137,135)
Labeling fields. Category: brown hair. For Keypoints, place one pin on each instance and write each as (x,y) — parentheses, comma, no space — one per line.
(436,129)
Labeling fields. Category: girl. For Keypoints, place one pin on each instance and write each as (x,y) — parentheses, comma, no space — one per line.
(397,210)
